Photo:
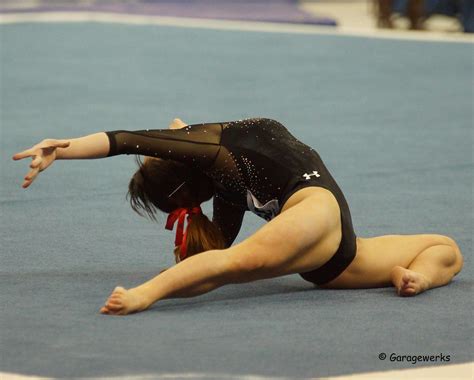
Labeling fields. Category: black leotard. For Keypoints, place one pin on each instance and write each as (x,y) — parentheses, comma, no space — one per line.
(255,164)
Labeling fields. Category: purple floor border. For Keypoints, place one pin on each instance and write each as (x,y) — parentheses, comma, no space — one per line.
(280,11)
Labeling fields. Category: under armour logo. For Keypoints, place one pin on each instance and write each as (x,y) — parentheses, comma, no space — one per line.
(308,176)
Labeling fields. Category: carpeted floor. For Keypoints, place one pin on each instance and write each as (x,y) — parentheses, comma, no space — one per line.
(392,119)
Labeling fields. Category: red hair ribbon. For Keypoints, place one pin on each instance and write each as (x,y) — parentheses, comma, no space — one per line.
(179,215)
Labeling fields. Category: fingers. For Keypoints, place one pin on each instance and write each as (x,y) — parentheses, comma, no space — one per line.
(26,184)
(35,165)
(30,177)
(36,162)
(44,144)
(24,154)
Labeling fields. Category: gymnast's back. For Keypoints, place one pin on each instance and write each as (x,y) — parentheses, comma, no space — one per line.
(255,164)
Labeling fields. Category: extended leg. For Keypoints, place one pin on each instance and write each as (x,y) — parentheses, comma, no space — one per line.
(287,244)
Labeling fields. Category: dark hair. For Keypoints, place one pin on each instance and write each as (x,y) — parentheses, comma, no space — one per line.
(167,185)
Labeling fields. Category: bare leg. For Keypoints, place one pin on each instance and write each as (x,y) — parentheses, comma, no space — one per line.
(124,301)
(411,263)
(196,275)
(435,266)
(267,253)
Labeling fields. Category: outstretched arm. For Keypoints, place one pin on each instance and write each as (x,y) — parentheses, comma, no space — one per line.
(196,145)
(91,146)
(49,150)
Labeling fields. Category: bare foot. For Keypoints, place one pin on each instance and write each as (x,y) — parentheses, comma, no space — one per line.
(409,283)
(123,302)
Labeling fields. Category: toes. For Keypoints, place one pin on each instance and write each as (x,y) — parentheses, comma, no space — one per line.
(119,289)
(114,306)
(411,284)
(108,310)
(407,278)
(111,310)
(408,292)
(113,303)
(409,289)
(115,298)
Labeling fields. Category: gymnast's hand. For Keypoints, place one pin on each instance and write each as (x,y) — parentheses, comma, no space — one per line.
(43,155)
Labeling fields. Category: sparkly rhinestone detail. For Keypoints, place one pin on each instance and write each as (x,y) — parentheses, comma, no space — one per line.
(250,155)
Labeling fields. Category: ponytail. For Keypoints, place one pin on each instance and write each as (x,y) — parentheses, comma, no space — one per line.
(200,234)
(176,189)
(203,235)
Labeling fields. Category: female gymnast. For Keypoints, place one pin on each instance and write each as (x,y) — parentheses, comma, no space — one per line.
(255,165)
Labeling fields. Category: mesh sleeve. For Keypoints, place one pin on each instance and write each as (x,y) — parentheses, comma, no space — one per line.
(228,217)
(197,145)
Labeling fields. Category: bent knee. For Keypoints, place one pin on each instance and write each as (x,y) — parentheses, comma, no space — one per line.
(454,256)
(459,260)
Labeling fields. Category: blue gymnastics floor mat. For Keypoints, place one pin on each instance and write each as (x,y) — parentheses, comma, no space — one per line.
(396,136)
